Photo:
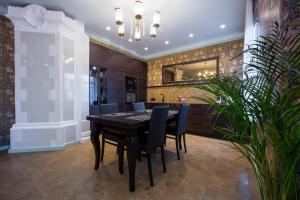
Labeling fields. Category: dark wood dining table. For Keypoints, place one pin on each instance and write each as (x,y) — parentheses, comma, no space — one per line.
(129,124)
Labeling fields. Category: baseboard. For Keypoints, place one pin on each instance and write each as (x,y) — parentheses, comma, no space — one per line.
(85,137)
(3,148)
(212,135)
(38,149)
(50,136)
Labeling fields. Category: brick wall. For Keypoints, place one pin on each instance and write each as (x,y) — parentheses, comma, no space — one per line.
(7,96)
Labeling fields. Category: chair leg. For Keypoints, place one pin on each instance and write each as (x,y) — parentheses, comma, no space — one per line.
(163,158)
(184,143)
(150,170)
(165,142)
(121,158)
(103,145)
(180,144)
(177,147)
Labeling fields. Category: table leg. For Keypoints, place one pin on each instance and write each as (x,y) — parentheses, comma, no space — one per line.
(132,152)
(95,132)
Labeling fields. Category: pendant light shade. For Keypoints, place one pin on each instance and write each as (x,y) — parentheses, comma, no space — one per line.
(152,32)
(137,34)
(156,19)
(119,16)
(138,10)
(121,30)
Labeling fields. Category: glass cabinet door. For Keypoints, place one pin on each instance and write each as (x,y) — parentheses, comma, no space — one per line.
(97,88)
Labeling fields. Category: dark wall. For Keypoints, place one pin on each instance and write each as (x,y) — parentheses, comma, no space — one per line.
(118,66)
(7,80)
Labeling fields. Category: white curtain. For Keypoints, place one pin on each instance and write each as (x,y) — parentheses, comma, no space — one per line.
(250,30)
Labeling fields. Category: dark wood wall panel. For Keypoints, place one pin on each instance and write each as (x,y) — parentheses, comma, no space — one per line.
(116,88)
(200,120)
(134,68)
(118,66)
(142,90)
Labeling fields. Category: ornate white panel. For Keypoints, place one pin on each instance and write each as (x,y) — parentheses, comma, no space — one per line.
(68,79)
(36,81)
(52,66)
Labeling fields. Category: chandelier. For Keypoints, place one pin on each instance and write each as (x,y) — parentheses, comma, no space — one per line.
(137,24)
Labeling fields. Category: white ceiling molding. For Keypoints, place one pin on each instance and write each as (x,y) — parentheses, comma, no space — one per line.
(199,45)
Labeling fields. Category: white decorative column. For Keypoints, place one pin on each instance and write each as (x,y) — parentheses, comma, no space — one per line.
(51,80)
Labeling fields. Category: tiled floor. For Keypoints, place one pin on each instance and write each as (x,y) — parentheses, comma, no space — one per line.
(210,170)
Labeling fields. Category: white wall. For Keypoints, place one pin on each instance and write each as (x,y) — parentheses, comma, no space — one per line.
(51,82)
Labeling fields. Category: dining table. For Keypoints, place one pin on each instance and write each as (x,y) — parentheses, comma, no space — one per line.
(128,124)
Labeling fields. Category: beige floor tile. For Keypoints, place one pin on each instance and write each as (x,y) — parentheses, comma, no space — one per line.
(210,170)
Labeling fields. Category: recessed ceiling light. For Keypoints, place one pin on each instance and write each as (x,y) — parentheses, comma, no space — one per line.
(129,40)
(108,28)
(167,42)
(191,35)
(223,26)
(146,48)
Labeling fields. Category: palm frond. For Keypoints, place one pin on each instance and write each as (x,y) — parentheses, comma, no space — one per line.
(263,110)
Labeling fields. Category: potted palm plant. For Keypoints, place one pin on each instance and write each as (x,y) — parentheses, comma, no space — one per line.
(263,111)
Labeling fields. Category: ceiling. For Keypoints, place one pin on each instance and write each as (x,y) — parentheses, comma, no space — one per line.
(179,18)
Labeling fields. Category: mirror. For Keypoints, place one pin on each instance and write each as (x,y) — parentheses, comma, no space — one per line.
(190,72)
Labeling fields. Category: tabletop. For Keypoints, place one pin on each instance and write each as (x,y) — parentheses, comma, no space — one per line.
(128,120)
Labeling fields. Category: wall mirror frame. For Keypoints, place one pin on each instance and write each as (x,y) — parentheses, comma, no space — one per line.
(192,72)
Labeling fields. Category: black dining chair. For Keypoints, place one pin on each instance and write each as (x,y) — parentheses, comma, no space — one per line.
(109,108)
(109,136)
(177,130)
(140,106)
(154,138)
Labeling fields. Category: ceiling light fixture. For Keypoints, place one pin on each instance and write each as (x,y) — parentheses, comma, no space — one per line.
(121,30)
(108,28)
(167,42)
(191,35)
(223,26)
(146,48)
(129,40)
(138,10)
(156,19)
(119,16)
(152,31)
(137,23)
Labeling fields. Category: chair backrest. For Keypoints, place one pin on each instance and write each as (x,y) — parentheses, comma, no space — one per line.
(109,108)
(182,118)
(157,127)
(138,106)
